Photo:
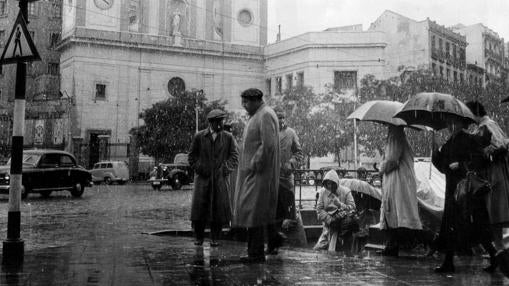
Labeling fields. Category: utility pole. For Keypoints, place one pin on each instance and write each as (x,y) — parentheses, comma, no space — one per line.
(13,246)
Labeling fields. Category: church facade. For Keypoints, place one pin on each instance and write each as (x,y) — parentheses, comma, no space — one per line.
(118,57)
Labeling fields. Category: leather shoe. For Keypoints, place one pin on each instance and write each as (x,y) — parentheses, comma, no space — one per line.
(493,265)
(445,269)
(198,242)
(252,259)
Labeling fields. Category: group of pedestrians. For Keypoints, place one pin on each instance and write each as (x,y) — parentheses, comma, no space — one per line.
(263,199)
(263,194)
(484,152)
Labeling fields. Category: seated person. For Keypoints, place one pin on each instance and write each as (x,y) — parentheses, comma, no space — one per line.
(333,198)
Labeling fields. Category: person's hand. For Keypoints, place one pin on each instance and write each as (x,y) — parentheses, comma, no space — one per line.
(490,149)
(454,165)
(289,224)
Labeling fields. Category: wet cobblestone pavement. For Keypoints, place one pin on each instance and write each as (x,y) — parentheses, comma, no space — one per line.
(99,240)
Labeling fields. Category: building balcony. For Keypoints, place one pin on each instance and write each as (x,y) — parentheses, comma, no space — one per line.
(494,56)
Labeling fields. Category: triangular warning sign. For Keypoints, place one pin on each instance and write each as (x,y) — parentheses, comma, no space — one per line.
(20,46)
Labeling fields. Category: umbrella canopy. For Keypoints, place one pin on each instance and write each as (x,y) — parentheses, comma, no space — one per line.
(381,111)
(434,109)
(360,186)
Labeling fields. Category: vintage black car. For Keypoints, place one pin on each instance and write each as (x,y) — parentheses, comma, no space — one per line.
(45,171)
(177,174)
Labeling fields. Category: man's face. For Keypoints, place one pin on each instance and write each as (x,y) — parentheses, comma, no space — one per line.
(216,124)
(282,122)
(250,105)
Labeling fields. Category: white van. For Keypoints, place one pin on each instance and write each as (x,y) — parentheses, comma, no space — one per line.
(110,172)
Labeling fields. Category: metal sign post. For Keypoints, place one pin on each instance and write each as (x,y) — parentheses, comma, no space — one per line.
(19,49)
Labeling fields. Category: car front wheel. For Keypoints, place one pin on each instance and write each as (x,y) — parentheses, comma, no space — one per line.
(176,182)
(78,190)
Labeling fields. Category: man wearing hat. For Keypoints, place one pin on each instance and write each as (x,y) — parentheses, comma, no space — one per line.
(213,156)
(255,202)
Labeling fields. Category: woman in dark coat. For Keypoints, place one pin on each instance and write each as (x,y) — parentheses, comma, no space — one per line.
(213,156)
(462,151)
(497,200)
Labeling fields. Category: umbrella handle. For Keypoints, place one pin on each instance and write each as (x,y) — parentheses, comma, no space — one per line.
(433,148)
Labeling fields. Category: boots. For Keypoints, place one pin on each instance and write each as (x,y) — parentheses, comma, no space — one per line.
(493,261)
(502,259)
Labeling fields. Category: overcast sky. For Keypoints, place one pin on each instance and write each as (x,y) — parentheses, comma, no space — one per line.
(300,16)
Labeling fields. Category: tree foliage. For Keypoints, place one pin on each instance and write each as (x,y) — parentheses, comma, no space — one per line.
(169,125)
(319,120)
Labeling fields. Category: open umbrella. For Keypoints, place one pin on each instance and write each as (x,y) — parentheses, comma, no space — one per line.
(433,109)
(381,111)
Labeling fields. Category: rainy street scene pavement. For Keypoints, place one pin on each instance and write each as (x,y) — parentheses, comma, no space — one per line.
(102,239)
(254,142)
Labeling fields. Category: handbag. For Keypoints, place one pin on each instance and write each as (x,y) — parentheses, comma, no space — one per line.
(344,221)
(472,185)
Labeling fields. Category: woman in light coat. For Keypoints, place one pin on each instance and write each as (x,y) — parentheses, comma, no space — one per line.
(331,196)
(399,190)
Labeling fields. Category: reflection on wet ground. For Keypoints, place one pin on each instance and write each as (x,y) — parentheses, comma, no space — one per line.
(98,240)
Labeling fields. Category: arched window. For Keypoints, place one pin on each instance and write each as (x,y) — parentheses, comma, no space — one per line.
(176,86)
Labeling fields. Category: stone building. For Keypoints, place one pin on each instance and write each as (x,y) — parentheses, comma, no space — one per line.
(421,44)
(46,109)
(485,49)
(337,58)
(118,57)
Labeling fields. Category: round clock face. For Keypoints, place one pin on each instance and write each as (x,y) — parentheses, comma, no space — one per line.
(103,4)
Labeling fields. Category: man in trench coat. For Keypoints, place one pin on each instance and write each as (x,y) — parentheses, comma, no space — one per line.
(256,192)
(213,156)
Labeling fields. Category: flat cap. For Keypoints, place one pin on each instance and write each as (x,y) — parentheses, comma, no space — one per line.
(216,114)
(252,93)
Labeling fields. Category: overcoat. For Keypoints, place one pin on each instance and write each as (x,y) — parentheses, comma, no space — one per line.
(497,201)
(290,154)
(399,190)
(212,161)
(466,149)
(256,189)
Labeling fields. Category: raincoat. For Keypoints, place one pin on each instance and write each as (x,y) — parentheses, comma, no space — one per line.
(213,161)
(399,190)
(256,190)
(342,200)
(497,201)
(290,155)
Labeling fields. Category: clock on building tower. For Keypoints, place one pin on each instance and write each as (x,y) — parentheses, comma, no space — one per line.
(103,4)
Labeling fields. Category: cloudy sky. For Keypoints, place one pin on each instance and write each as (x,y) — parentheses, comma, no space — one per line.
(300,16)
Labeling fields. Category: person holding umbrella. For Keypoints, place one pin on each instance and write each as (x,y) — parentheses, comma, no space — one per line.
(462,152)
(497,201)
(399,190)
(399,207)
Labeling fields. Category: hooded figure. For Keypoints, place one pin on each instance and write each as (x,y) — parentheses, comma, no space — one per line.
(331,196)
